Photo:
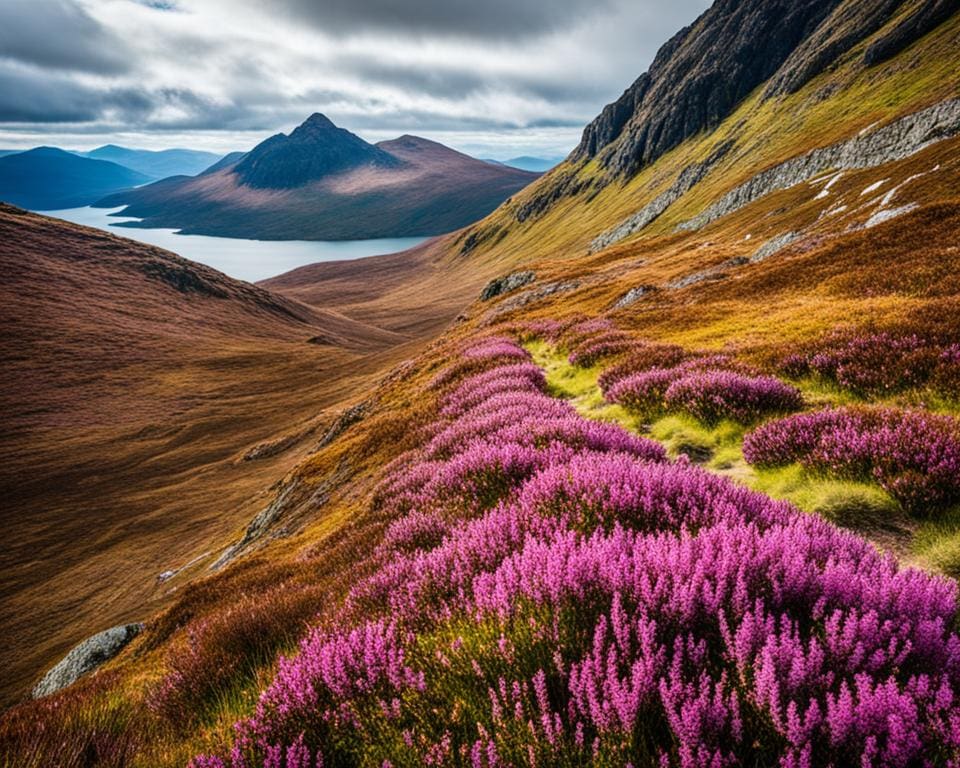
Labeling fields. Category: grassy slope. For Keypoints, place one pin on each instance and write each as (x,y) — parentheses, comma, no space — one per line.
(832,107)
(128,407)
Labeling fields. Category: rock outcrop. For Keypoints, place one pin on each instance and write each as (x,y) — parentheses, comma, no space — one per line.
(687,178)
(698,78)
(634,295)
(86,657)
(892,142)
(501,285)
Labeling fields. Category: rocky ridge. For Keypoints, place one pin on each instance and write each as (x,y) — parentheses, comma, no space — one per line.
(892,142)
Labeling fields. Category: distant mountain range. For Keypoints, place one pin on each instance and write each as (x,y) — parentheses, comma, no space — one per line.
(47,178)
(157,165)
(322,182)
(528,163)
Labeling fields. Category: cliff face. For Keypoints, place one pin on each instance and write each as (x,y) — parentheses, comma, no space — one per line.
(698,78)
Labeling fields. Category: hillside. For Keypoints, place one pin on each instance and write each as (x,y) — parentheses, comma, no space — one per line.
(46,179)
(678,483)
(156,164)
(324,183)
(134,384)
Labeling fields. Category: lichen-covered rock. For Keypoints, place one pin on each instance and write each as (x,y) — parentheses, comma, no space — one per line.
(502,285)
(773,245)
(887,144)
(634,294)
(685,180)
(86,657)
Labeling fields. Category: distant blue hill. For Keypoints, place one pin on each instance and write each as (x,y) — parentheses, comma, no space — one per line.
(528,163)
(156,164)
(47,178)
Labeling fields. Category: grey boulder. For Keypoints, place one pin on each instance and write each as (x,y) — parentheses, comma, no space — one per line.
(86,657)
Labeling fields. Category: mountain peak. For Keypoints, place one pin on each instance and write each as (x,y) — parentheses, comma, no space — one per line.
(317,120)
(315,149)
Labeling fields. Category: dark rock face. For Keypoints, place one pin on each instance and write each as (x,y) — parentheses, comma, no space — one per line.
(86,657)
(317,148)
(851,24)
(502,285)
(698,78)
(928,16)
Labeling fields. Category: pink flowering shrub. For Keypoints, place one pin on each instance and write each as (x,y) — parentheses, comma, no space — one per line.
(495,348)
(714,395)
(707,394)
(913,455)
(553,592)
(545,328)
(641,358)
(868,363)
(592,349)
(644,392)
(947,374)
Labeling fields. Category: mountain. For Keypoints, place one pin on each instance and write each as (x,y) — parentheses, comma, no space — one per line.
(156,164)
(672,478)
(528,163)
(46,178)
(224,162)
(324,183)
(535,164)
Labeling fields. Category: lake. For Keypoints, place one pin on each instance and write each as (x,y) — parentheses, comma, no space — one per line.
(250,260)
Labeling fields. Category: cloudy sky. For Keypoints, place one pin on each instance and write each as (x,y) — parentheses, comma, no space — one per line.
(496,78)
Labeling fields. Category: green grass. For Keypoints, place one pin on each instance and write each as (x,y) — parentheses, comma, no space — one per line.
(937,542)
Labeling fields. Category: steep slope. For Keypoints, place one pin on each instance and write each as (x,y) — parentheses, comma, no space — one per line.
(46,179)
(324,183)
(594,199)
(134,383)
(156,164)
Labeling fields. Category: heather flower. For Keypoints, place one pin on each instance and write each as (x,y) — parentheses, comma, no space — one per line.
(644,392)
(868,363)
(563,595)
(594,348)
(913,455)
(641,358)
(714,395)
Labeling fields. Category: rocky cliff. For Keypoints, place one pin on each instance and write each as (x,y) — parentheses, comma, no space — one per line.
(698,78)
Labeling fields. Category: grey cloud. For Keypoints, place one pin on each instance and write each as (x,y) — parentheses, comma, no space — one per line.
(58,34)
(485,19)
(457,83)
(179,71)
(29,96)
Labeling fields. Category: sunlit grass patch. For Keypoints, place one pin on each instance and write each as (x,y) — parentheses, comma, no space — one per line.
(937,542)
(837,500)
(579,386)
(716,446)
